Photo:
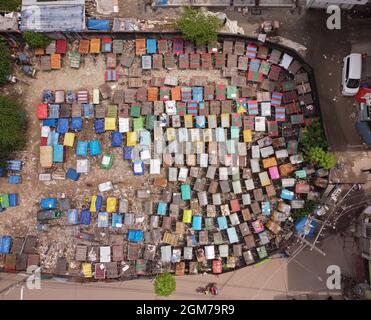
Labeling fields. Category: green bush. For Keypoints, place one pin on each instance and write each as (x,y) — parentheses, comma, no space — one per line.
(5,61)
(10,5)
(324,159)
(12,127)
(36,40)
(164,284)
(198,26)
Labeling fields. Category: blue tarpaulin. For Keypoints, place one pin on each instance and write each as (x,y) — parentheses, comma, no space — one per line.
(85,217)
(72,174)
(48,203)
(50,122)
(116,220)
(14,165)
(162,208)
(232,235)
(5,243)
(53,138)
(117,139)
(196,223)
(2,172)
(14,179)
(82,148)
(13,200)
(76,123)
(138,167)
(102,25)
(128,153)
(58,153)
(135,235)
(151,46)
(222,223)
(99,125)
(88,111)
(197,94)
(200,122)
(62,126)
(98,203)
(73,216)
(299,227)
(94,147)
(287,194)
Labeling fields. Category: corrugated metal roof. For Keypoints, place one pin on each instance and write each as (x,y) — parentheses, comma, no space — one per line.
(53,18)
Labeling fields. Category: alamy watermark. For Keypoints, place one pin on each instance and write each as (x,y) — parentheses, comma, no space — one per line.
(334,20)
(333,282)
(34,280)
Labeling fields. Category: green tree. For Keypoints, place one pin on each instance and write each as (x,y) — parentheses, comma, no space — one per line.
(5,61)
(164,284)
(313,136)
(36,40)
(309,207)
(10,5)
(12,127)
(198,26)
(324,159)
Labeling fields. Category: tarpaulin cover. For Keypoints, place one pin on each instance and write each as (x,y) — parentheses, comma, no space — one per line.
(196,223)
(197,94)
(4,201)
(14,179)
(138,167)
(96,203)
(50,122)
(73,216)
(14,165)
(42,111)
(162,208)
(13,199)
(128,151)
(299,227)
(116,220)
(135,235)
(111,204)
(151,46)
(109,124)
(117,139)
(58,153)
(95,24)
(69,139)
(88,111)
(53,138)
(82,148)
(287,194)
(232,235)
(61,46)
(76,123)
(222,223)
(2,172)
(5,243)
(48,203)
(72,174)
(94,147)
(99,125)
(103,220)
(53,111)
(85,217)
(106,44)
(63,125)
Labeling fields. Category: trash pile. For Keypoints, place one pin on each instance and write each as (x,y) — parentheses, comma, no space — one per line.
(223,161)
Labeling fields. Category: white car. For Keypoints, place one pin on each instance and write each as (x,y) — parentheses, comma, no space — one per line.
(351,75)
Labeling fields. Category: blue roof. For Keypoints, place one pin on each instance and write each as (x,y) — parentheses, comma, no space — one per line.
(135,235)
(102,25)
(5,243)
(52,18)
(299,227)
(48,203)
(196,222)
(162,208)
(197,94)
(116,220)
(222,223)
(85,217)
(72,217)
(151,45)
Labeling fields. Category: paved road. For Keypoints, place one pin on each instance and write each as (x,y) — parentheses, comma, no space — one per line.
(275,279)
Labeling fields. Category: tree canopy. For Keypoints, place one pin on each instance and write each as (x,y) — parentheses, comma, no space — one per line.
(198,26)
(36,40)
(10,5)
(12,127)
(5,61)
(164,284)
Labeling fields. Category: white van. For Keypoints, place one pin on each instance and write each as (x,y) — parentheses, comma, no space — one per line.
(351,75)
